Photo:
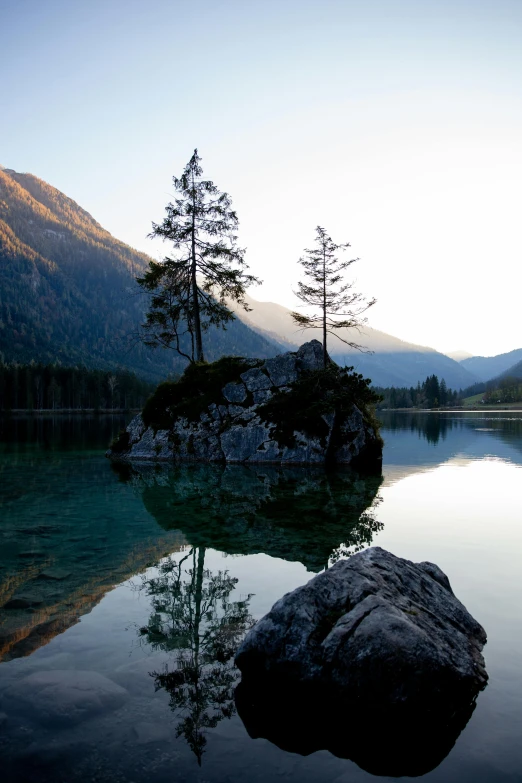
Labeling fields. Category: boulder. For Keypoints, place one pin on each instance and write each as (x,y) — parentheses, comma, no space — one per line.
(234,423)
(373,624)
(375,641)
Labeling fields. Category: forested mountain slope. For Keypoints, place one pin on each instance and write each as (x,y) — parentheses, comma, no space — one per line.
(487,367)
(68,290)
(393,362)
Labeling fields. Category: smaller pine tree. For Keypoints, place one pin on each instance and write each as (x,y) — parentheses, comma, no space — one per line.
(340,307)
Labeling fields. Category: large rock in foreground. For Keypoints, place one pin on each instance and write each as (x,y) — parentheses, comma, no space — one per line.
(376,650)
(287,409)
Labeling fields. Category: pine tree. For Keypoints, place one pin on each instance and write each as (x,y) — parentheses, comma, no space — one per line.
(189,292)
(443,393)
(340,307)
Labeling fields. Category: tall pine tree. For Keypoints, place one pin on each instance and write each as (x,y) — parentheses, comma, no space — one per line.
(189,291)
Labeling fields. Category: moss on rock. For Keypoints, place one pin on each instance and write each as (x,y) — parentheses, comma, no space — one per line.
(313,396)
(189,397)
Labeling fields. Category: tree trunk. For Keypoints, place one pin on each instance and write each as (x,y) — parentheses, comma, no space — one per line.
(195,299)
(325,355)
(198,595)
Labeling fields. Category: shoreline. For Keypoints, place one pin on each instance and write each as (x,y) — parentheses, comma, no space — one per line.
(489,408)
(68,411)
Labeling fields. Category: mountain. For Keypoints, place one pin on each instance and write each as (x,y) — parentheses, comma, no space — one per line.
(68,291)
(459,356)
(513,372)
(393,362)
(487,367)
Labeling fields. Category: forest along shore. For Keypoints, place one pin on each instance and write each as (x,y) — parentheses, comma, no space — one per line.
(67,411)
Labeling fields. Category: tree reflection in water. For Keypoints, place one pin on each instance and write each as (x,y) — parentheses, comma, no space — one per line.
(194,618)
(293,513)
(298,514)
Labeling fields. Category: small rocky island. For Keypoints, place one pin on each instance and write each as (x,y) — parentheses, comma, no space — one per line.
(289,409)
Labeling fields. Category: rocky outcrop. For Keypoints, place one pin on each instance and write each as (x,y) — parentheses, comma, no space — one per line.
(374,641)
(242,425)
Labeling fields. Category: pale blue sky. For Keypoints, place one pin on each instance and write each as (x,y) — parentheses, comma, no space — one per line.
(395,124)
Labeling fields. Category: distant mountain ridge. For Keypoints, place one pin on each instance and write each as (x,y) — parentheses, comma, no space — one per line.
(489,367)
(394,362)
(68,291)
(459,355)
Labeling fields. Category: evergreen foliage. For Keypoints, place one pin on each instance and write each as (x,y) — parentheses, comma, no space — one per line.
(504,390)
(194,619)
(327,291)
(199,386)
(432,393)
(53,387)
(316,394)
(188,293)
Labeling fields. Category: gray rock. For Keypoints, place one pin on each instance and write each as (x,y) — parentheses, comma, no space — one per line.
(213,410)
(375,628)
(241,443)
(268,451)
(23,601)
(136,428)
(235,410)
(310,356)
(55,573)
(64,696)
(256,379)
(262,396)
(307,450)
(235,392)
(282,369)
(374,660)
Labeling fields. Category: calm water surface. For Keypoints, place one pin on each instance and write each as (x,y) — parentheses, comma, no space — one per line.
(125,593)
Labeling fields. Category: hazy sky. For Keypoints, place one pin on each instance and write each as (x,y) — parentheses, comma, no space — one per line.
(395,124)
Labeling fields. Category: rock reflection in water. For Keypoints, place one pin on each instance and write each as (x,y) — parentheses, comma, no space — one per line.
(194,618)
(298,514)
(379,738)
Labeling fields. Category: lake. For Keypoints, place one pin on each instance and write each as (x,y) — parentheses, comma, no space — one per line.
(126,590)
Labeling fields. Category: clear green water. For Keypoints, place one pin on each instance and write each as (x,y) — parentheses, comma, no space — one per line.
(85,587)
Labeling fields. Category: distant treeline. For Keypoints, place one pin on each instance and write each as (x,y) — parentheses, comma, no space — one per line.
(430,394)
(506,389)
(53,387)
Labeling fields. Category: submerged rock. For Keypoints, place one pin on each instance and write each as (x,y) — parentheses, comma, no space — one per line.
(287,410)
(374,659)
(64,696)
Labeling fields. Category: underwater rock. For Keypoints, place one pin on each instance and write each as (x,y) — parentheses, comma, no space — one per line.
(64,696)
(375,641)
(285,410)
